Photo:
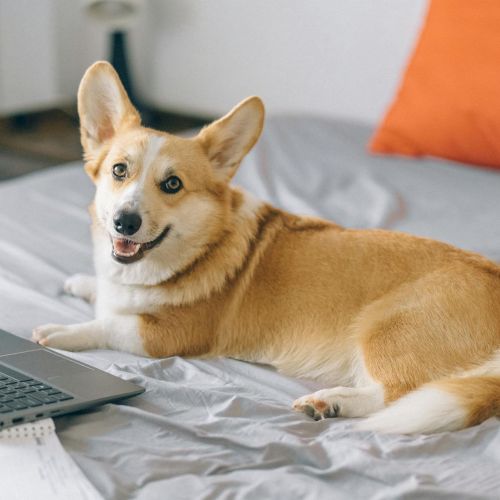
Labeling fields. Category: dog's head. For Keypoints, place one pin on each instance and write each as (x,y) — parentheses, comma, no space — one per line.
(159,197)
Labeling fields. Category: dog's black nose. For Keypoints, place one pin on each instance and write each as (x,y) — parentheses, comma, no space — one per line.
(127,222)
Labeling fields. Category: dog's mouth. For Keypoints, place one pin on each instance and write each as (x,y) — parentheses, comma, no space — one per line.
(127,251)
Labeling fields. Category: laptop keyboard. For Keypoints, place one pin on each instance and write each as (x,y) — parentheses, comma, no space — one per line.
(20,392)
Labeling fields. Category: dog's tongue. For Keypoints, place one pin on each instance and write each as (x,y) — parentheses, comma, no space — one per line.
(124,247)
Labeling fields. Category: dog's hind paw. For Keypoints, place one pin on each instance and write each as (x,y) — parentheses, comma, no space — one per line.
(318,409)
(341,402)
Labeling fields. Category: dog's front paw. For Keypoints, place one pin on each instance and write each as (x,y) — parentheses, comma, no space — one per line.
(316,407)
(81,285)
(42,332)
(65,337)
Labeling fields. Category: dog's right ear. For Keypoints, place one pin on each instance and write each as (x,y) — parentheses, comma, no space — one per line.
(227,140)
(104,108)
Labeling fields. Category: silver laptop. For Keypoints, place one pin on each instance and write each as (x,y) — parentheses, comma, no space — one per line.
(36,383)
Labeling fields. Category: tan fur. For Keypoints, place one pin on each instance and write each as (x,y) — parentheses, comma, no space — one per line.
(416,302)
(302,293)
(479,395)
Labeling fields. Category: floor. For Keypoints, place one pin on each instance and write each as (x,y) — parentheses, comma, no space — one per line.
(40,140)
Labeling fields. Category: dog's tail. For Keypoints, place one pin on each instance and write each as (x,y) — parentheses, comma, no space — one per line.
(444,405)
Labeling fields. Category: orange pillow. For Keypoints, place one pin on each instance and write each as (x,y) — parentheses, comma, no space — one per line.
(448,104)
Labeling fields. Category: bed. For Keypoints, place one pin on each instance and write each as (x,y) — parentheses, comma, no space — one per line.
(223,428)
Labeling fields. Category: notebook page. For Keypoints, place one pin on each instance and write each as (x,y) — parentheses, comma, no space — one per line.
(40,428)
(35,465)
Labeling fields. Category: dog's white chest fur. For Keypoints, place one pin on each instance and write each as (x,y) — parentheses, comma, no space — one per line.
(115,298)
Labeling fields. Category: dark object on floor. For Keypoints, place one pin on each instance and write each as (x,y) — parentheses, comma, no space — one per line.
(32,141)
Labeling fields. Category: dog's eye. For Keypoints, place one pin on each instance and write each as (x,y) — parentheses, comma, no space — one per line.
(119,171)
(172,185)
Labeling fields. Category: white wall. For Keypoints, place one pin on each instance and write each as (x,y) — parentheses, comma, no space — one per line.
(83,40)
(331,57)
(45,47)
(27,59)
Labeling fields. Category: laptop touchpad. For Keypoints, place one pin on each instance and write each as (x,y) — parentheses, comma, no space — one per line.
(43,364)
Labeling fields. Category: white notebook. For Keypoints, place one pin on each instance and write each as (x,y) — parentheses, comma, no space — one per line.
(35,465)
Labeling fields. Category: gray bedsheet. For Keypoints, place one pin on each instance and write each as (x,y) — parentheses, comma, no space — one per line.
(223,428)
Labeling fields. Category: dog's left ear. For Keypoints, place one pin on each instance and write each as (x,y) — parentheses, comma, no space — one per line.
(228,140)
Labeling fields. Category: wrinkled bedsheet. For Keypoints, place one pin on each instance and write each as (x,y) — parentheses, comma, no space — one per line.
(223,428)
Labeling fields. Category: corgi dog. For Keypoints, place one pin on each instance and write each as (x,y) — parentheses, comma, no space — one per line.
(403,330)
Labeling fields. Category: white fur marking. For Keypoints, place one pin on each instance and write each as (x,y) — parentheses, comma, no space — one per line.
(425,410)
(489,368)
(133,194)
(120,333)
(251,204)
(81,285)
(155,143)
